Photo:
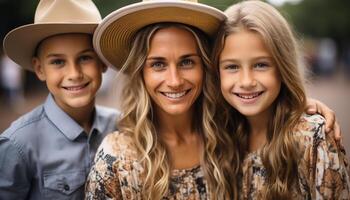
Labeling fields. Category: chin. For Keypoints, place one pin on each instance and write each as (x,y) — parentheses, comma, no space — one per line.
(176,111)
(79,103)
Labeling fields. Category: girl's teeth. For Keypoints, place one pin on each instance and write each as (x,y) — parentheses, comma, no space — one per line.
(175,95)
(250,96)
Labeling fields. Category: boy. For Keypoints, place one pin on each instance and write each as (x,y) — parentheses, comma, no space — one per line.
(47,153)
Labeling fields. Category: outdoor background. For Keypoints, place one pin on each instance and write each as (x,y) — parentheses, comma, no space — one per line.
(322,26)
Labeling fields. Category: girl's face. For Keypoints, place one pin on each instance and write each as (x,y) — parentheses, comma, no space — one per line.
(250,81)
(173,71)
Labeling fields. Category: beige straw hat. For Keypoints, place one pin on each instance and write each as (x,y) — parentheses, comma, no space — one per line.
(113,36)
(52,17)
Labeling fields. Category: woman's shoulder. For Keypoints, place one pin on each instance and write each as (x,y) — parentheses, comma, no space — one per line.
(118,144)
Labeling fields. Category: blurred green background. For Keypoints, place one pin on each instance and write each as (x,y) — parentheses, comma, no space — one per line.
(317,18)
(323,27)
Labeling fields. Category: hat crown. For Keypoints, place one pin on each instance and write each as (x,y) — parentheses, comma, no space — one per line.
(66,11)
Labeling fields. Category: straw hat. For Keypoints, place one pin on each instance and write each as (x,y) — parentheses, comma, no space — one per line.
(52,17)
(113,36)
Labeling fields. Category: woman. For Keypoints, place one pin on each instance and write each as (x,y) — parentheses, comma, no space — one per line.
(168,145)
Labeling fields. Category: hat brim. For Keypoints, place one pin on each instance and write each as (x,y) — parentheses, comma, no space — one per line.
(20,43)
(113,36)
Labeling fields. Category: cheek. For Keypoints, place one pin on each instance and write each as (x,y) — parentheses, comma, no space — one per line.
(273,81)
(53,76)
(151,80)
(226,81)
(198,78)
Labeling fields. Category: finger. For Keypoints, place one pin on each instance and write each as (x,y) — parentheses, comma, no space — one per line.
(330,119)
(328,114)
(311,107)
(337,131)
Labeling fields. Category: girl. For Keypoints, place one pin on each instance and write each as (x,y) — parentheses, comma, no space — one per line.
(285,153)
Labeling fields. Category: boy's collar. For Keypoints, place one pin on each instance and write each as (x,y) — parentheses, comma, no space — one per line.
(62,120)
(68,126)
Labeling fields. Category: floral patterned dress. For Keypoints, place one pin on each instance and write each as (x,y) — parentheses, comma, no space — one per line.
(323,170)
(117,174)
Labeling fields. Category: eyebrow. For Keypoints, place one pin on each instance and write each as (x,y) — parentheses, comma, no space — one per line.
(59,54)
(254,59)
(182,57)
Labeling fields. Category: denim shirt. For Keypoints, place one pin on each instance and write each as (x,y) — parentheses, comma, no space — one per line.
(45,154)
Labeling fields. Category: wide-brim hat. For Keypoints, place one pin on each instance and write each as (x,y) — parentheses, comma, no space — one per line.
(52,17)
(113,36)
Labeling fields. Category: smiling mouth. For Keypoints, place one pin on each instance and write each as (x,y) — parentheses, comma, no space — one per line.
(176,95)
(76,88)
(248,95)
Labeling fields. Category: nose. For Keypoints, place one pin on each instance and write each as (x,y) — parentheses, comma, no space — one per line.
(247,79)
(74,71)
(175,78)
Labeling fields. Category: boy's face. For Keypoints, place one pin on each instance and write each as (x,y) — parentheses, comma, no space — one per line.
(71,69)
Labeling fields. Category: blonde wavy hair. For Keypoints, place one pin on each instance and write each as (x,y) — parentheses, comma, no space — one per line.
(280,154)
(138,121)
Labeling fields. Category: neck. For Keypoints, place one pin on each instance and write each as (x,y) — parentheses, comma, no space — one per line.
(182,141)
(258,131)
(175,126)
(84,116)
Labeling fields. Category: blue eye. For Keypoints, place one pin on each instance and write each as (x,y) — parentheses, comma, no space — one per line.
(187,63)
(57,62)
(157,65)
(231,67)
(261,65)
(85,58)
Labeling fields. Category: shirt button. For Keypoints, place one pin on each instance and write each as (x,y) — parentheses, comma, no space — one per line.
(66,187)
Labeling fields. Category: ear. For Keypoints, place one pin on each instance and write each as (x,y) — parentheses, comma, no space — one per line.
(104,67)
(38,68)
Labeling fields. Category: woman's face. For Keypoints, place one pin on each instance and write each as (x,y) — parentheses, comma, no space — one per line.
(173,71)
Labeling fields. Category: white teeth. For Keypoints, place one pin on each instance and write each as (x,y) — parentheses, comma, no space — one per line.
(174,95)
(248,96)
(75,88)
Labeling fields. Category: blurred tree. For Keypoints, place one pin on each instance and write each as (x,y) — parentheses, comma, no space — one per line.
(317,18)
(322,18)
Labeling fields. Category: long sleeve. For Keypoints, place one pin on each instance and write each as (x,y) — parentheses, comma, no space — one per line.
(325,166)
(14,174)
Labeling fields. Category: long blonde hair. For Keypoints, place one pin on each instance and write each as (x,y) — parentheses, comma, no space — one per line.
(280,154)
(138,121)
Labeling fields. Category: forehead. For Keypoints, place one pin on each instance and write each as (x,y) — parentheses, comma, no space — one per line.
(244,43)
(173,39)
(65,42)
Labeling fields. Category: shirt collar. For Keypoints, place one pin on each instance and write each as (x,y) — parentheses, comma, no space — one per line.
(62,120)
(98,121)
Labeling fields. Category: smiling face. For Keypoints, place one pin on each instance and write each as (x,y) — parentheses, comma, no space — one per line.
(173,71)
(71,69)
(250,81)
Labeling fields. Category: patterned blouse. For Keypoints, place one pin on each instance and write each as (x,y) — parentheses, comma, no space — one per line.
(323,170)
(117,174)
